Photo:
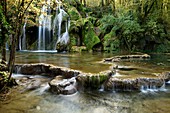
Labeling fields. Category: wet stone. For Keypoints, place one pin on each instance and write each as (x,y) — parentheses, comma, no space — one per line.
(60,85)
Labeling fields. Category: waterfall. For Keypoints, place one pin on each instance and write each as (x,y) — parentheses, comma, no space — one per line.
(7,47)
(22,39)
(64,39)
(163,88)
(50,31)
(44,21)
(61,38)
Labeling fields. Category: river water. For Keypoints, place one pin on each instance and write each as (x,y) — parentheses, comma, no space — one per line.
(41,100)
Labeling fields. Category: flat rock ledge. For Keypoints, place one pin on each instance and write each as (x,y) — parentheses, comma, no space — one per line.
(45,69)
(133,84)
(126,57)
(67,81)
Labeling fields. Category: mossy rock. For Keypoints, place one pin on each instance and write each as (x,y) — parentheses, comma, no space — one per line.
(93,81)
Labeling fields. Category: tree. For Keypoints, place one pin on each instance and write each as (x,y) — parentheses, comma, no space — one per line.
(20,9)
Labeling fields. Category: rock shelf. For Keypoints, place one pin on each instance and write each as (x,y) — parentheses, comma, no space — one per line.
(126,57)
(67,81)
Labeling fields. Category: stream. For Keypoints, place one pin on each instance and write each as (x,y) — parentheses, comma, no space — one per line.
(40,100)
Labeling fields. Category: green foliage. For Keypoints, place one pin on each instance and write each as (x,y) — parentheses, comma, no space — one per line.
(122,30)
(127,31)
(107,23)
(4,76)
(4,25)
(91,38)
(74,14)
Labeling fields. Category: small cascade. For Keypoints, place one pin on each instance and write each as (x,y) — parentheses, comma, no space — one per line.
(162,88)
(7,47)
(42,88)
(101,88)
(17,69)
(152,88)
(22,39)
(146,89)
(65,37)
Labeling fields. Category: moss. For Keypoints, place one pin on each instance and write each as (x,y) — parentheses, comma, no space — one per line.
(96,81)
(91,38)
(103,78)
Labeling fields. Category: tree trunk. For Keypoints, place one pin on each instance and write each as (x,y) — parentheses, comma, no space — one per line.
(12,52)
(19,20)
(102,3)
(81,1)
(113,6)
(84,2)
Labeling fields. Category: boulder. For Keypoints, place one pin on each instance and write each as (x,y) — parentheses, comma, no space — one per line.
(60,85)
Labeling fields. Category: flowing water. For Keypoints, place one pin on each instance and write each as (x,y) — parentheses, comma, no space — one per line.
(41,100)
(22,39)
(52,27)
(50,31)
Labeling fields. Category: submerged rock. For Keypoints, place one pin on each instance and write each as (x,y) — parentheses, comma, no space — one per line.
(126,57)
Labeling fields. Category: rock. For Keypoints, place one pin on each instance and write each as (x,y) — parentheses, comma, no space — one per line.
(94,81)
(33,85)
(149,82)
(32,69)
(69,73)
(119,84)
(165,76)
(45,69)
(60,85)
(67,81)
(132,84)
(126,57)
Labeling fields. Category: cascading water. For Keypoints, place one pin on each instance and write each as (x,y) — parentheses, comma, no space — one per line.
(44,30)
(64,39)
(49,37)
(22,39)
